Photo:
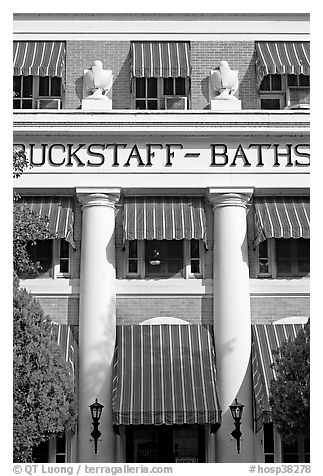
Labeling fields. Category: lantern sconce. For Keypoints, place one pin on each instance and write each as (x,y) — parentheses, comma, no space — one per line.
(236,411)
(154,259)
(96,410)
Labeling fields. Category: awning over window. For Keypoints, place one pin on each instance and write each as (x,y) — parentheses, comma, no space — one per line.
(38,58)
(281,217)
(160,60)
(165,374)
(164,218)
(265,339)
(281,57)
(60,212)
(67,342)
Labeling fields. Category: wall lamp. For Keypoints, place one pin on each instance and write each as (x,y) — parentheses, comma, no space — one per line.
(96,410)
(236,411)
(154,259)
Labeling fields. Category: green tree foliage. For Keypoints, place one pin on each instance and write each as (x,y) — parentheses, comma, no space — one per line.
(290,392)
(28,226)
(43,389)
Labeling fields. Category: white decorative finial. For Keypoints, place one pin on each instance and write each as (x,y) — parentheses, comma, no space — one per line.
(224,81)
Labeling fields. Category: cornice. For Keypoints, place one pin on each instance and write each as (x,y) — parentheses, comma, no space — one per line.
(207,123)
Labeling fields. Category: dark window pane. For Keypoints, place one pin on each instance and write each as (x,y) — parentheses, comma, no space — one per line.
(40,453)
(41,253)
(60,459)
(268,438)
(270,103)
(269,458)
(64,251)
(195,249)
(304,80)
(152,87)
(195,266)
(60,444)
(43,86)
(55,86)
(292,80)
(265,85)
(168,86)
(133,248)
(27,86)
(303,248)
(16,103)
(180,86)
(27,104)
(152,105)
(140,104)
(276,82)
(17,86)
(140,87)
(133,266)
(283,248)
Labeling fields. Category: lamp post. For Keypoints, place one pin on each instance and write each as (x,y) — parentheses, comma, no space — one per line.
(236,411)
(96,410)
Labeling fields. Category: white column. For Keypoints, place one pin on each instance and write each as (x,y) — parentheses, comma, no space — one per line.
(97,320)
(232,323)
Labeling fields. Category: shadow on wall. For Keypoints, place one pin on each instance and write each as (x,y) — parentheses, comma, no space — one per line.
(205,91)
(121,88)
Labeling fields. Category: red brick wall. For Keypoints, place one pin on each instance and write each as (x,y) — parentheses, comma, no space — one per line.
(206,55)
(63,310)
(114,56)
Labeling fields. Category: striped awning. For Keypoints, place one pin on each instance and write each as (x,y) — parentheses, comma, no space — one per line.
(282,57)
(59,211)
(67,342)
(39,58)
(164,218)
(281,217)
(160,59)
(165,374)
(265,339)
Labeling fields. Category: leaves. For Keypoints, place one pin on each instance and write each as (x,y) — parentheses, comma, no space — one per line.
(290,392)
(44,404)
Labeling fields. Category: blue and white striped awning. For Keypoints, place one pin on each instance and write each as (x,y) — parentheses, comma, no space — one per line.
(165,375)
(164,218)
(58,210)
(39,58)
(281,217)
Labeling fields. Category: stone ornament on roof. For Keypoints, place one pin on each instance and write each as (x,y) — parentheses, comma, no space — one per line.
(97,87)
(223,83)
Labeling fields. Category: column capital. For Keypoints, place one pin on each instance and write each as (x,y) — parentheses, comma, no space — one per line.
(225,197)
(98,196)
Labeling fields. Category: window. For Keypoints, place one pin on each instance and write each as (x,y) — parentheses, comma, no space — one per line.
(37,92)
(275,450)
(161,93)
(278,91)
(164,259)
(53,258)
(269,445)
(51,451)
(299,452)
(284,258)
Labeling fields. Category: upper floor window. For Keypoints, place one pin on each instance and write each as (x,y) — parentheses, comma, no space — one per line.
(52,258)
(284,258)
(285,91)
(39,68)
(164,259)
(37,92)
(161,72)
(161,93)
(282,72)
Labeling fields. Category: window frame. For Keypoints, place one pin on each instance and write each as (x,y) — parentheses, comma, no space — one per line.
(55,268)
(283,94)
(161,94)
(36,97)
(187,272)
(272,261)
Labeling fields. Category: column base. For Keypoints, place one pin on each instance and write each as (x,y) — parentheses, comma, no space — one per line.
(225,105)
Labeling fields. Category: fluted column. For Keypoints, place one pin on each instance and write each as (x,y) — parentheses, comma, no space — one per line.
(231,311)
(97,319)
